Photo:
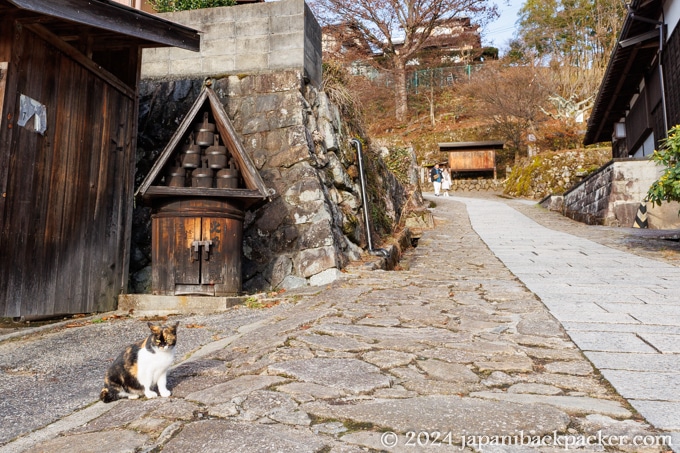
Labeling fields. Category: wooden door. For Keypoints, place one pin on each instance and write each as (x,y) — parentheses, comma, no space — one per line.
(223,268)
(196,255)
(188,252)
(173,256)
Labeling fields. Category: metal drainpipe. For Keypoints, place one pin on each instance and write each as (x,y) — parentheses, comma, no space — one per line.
(364,199)
(662,41)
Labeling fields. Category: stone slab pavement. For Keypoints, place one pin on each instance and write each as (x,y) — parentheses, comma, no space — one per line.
(451,352)
(621,309)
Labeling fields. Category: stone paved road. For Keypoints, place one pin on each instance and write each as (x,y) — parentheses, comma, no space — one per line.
(451,347)
(620,308)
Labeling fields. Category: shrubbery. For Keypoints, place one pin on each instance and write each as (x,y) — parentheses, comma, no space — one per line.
(554,172)
(168,6)
(667,187)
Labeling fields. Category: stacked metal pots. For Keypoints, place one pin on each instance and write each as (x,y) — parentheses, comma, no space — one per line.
(203,161)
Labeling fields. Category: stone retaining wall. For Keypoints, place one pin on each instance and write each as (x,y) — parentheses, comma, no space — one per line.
(588,202)
(480,184)
(612,196)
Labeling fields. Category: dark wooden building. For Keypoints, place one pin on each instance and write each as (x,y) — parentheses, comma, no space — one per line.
(639,98)
(69,72)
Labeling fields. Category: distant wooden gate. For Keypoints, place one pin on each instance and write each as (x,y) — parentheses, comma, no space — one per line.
(472,156)
(67,193)
(472,160)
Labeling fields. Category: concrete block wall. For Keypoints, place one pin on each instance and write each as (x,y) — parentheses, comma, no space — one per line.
(242,39)
(313,53)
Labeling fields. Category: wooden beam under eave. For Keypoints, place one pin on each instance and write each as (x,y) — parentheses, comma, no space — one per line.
(83,60)
(604,116)
(197,192)
(107,15)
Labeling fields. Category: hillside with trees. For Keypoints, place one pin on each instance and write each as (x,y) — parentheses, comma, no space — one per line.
(412,74)
(398,32)
(536,98)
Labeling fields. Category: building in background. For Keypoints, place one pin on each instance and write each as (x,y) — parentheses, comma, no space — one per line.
(143,5)
(639,98)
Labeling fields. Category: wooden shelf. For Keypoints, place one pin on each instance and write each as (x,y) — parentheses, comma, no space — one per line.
(165,191)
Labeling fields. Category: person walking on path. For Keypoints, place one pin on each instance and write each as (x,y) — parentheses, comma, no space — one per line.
(436,178)
(446,181)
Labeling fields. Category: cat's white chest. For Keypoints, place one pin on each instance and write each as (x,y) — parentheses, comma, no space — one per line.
(150,366)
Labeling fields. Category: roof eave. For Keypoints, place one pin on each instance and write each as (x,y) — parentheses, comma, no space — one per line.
(491,144)
(113,16)
(602,118)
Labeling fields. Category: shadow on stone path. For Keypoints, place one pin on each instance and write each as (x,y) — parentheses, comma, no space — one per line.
(452,346)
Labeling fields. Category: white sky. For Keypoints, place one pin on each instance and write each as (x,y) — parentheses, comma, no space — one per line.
(499,32)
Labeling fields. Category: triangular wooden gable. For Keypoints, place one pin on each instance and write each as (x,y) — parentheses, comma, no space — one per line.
(255,190)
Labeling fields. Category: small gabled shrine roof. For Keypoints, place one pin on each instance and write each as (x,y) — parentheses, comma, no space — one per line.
(255,190)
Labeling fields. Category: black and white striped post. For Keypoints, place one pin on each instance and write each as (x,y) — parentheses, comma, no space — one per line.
(641,216)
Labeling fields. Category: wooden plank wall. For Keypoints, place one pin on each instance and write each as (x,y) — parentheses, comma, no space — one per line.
(6,41)
(66,214)
(472,160)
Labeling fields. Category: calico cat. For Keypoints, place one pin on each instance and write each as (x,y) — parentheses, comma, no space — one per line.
(141,366)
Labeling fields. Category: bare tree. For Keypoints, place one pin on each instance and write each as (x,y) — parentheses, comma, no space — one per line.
(575,38)
(512,97)
(398,29)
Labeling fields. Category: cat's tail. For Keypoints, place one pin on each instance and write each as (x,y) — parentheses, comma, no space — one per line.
(108,394)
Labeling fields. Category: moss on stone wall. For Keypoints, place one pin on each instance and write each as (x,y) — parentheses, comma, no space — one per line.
(385,194)
(554,172)
(398,161)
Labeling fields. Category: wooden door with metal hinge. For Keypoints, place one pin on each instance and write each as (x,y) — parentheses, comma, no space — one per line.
(195,257)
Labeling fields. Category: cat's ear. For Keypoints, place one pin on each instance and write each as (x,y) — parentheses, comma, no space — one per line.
(154,328)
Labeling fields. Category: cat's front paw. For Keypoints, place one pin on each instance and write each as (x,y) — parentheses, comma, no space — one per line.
(165,393)
(150,394)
